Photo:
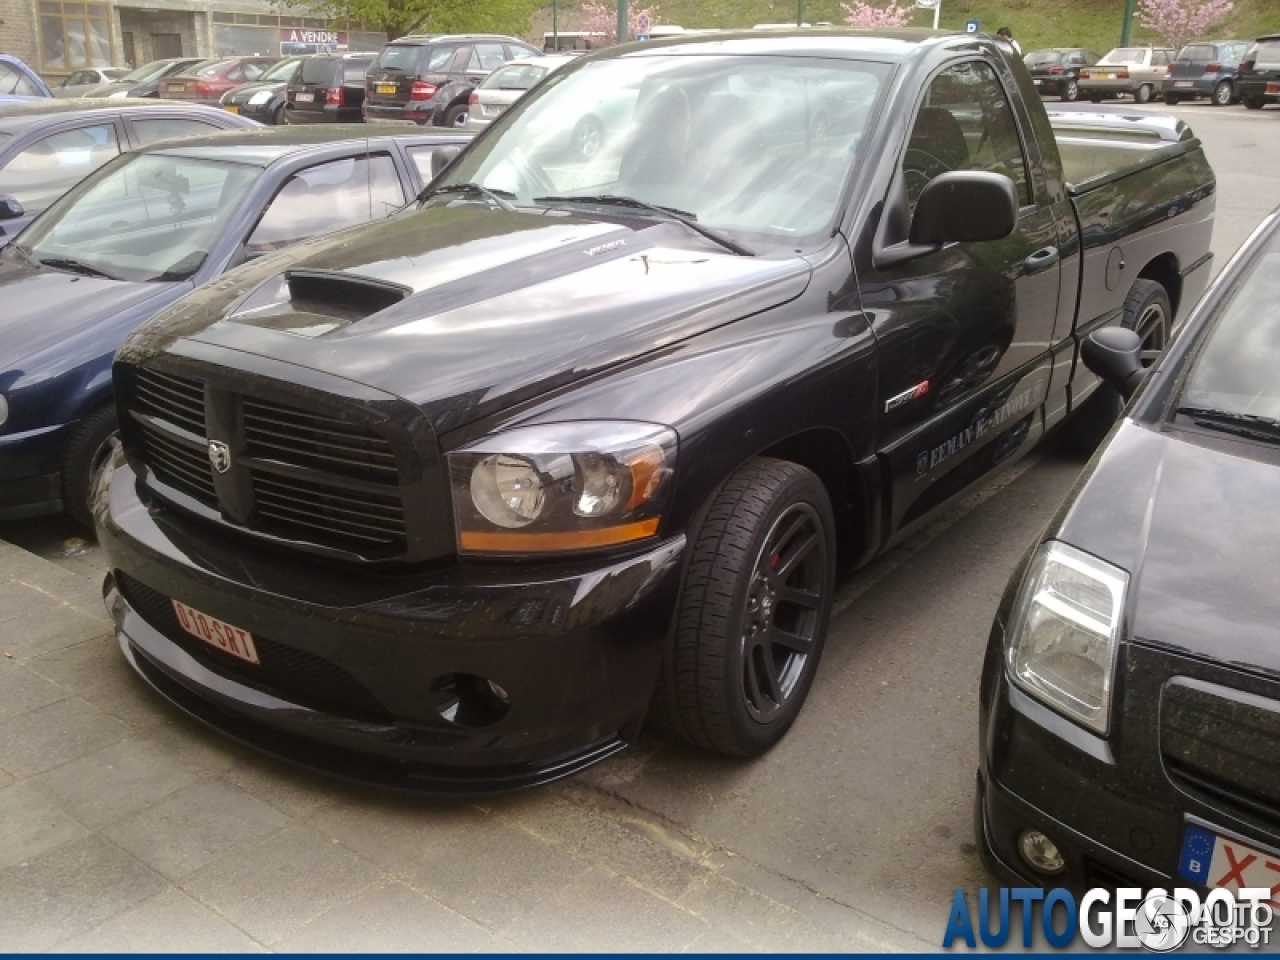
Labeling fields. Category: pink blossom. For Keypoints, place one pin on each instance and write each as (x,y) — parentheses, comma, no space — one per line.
(859,14)
(601,17)
(1178,22)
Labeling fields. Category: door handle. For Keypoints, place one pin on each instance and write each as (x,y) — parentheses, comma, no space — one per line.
(1042,259)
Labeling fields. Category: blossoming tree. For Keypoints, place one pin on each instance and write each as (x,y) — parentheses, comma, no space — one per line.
(601,17)
(859,14)
(1178,22)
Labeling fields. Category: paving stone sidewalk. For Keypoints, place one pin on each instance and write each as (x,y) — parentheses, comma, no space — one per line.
(125,826)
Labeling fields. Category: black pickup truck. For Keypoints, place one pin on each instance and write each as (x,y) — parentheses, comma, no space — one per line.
(456,501)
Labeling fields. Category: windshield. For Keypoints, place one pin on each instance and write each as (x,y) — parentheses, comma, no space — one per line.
(318,70)
(1124,55)
(142,217)
(514,78)
(1198,51)
(756,146)
(208,68)
(403,58)
(148,71)
(1041,58)
(1235,370)
(281,72)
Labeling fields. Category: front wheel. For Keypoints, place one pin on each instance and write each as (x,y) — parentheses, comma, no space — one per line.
(1143,94)
(1222,94)
(1071,92)
(1172,99)
(753,612)
(278,118)
(92,446)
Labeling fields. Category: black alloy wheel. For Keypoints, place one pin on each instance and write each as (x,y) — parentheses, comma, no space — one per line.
(753,611)
(1148,313)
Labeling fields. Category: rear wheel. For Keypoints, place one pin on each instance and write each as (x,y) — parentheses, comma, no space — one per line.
(1254,103)
(753,612)
(1071,92)
(1222,93)
(1143,94)
(1172,99)
(456,116)
(1095,98)
(92,445)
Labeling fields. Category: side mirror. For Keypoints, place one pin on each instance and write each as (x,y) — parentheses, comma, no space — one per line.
(965,206)
(1115,355)
(441,158)
(11,209)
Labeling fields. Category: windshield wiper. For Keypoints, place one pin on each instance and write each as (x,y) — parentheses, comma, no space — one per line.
(690,220)
(495,197)
(75,266)
(1228,421)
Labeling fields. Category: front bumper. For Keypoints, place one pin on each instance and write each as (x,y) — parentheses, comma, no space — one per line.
(262,112)
(30,472)
(356,668)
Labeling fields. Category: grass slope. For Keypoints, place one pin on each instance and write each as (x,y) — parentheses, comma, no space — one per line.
(1035,23)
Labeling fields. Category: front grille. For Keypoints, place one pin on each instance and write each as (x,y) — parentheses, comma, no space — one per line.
(308,477)
(1222,746)
(286,672)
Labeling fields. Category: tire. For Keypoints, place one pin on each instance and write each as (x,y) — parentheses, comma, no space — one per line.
(727,684)
(1095,98)
(588,137)
(1222,94)
(1143,94)
(277,117)
(93,442)
(456,116)
(1172,99)
(1071,93)
(1253,103)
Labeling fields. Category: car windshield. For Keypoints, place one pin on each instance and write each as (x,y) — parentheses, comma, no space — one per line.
(1236,369)
(1198,51)
(752,146)
(1042,58)
(515,77)
(208,68)
(142,217)
(317,70)
(1124,55)
(281,72)
(148,71)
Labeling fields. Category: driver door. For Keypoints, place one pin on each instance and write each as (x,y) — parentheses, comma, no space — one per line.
(962,333)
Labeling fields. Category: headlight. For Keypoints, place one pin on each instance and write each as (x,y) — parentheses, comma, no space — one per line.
(4,409)
(262,96)
(117,95)
(563,486)
(1065,632)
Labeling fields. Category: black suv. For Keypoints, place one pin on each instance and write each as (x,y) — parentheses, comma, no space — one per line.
(328,89)
(427,79)
(1258,80)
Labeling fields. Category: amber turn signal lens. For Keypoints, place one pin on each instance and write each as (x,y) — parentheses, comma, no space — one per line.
(492,541)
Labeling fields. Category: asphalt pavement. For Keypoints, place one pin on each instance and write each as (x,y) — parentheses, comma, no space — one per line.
(119,819)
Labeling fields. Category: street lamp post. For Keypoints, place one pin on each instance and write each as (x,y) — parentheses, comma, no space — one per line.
(799,13)
(1128,22)
(624,28)
(555,25)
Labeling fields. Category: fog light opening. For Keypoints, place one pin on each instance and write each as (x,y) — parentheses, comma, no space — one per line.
(1041,853)
(467,700)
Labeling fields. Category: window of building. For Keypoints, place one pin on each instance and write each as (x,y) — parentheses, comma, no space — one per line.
(75,35)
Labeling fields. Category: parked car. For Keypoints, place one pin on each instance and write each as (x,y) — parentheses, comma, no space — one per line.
(144,81)
(428,79)
(505,86)
(1205,70)
(207,81)
(1258,80)
(328,89)
(48,146)
(1136,71)
(148,228)
(1056,71)
(19,82)
(264,99)
(1130,705)
(80,82)
(660,378)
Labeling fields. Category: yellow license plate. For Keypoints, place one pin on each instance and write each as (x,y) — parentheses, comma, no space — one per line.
(231,109)
(387,88)
(1106,76)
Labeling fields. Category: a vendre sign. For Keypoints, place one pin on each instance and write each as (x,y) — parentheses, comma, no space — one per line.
(317,38)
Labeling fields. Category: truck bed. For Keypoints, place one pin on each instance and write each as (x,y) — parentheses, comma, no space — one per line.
(1098,148)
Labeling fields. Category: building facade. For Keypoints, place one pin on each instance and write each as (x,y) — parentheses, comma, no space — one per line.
(56,37)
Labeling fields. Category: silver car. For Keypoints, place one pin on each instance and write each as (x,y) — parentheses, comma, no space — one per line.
(506,85)
(1137,71)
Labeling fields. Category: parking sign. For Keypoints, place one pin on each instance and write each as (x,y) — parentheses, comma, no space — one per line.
(642,23)
(972,26)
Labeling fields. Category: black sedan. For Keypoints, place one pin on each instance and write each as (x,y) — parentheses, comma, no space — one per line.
(48,146)
(145,230)
(264,99)
(1056,71)
(1130,718)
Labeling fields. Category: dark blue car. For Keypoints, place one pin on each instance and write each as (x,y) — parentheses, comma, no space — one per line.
(19,82)
(147,228)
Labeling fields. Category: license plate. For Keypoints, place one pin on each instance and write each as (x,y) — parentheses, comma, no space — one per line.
(1183,83)
(1039,82)
(1104,76)
(216,633)
(231,109)
(303,97)
(1215,861)
(387,88)
(492,111)
(177,88)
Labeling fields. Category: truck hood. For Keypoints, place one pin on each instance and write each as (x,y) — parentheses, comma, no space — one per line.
(1192,523)
(45,307)
(490,308)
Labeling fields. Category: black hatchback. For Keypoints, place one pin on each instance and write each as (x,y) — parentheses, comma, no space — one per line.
(428,79)
(328,89)
(1130,703)
(1056,71)
(1258,80)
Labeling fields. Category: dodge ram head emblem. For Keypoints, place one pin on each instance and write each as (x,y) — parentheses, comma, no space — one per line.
(219,456)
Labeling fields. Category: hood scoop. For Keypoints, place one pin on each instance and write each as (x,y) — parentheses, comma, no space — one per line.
(312,303)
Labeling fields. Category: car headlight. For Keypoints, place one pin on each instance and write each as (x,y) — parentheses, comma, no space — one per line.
(261,97)
(4,409)
(1065,632)
(562,487)
(117,95)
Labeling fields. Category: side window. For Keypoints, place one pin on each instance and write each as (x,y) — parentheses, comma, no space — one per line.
(437,59)
(50,167)
(353,72)
(252,71)
(520,53)
(421,157)
(1159,58)
(328,197)
(486,57)
(966,123)
(166,128)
